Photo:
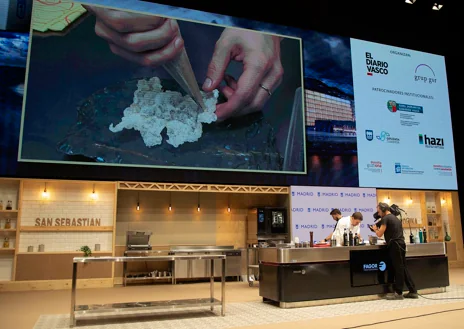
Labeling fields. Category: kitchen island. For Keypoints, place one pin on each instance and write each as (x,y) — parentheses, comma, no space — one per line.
(296,277)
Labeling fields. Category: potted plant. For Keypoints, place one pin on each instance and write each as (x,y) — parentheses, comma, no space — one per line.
(86,250)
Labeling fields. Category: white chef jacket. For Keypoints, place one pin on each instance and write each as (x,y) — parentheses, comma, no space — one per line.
(345,222)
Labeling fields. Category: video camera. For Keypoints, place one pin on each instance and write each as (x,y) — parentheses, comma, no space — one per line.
(394,209)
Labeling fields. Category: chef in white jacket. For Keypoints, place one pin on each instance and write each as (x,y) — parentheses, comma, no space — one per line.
(350,223)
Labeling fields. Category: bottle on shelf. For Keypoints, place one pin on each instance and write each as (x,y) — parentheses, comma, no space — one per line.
(356,239)
(416,239)
(350,238)
(411,238)
(6,243)
(311,239)
(421,237)
(424,234)
(447,236)
(9,205)
(7,224)
(1,204)
(345,238)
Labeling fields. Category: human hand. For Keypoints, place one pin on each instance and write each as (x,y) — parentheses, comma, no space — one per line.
(262,71)
(144,39)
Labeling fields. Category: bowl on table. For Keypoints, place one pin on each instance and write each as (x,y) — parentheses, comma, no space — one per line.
(373,240)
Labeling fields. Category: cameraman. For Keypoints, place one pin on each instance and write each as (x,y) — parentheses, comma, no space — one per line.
(392,228)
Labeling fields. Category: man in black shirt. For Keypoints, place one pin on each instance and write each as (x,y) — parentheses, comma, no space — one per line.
(392,229)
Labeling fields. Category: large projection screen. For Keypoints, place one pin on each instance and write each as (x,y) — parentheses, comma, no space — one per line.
(113,88)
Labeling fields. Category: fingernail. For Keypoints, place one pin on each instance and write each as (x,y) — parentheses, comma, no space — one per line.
(208,83)
(178,43)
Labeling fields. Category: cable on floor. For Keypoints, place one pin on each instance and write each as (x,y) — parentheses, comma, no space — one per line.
(461,298)
(405,318)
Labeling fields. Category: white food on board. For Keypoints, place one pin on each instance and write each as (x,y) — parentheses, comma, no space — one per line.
(154,109)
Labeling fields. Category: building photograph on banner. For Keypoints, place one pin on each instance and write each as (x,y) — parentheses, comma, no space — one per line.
(139,89)
(311,207)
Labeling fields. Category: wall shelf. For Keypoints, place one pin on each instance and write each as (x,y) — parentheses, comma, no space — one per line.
(7,230)
(7,250)
(66,229)
(8,211)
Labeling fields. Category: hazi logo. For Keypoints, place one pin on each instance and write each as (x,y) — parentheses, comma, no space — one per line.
(425,72)
(431,142)
(374,66)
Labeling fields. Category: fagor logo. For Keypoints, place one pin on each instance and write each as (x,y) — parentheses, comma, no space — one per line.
(375,267)
(431,142)
(373,66)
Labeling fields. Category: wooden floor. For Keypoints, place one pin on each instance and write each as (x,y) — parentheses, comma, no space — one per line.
(20,310)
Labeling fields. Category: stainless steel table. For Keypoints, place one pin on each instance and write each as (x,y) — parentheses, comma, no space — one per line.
(115,309)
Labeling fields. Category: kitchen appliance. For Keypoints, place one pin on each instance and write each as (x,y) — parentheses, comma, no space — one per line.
(267,223)
(138,240)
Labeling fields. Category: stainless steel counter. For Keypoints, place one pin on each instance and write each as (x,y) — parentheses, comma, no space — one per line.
(194,268)
(115,309)
(333,254)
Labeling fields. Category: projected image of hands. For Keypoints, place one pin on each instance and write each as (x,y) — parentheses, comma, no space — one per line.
(137,89)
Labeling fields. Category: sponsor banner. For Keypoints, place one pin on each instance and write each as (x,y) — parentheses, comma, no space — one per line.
(311,207)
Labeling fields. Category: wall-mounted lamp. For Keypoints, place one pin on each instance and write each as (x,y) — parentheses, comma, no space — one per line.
(387,199)
(409,201)
(170,201)
(436,6)
(228,203)
(138,201)
(410,1)
(45,194)
(94,195)
(443,201)
(198,206)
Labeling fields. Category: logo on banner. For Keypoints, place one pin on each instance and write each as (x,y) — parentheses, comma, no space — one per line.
(375,267)
(308,226)
(426,74)
(385,136)
(375,66)
(320,210)
(369,134)
(350,195)
(302,193)
(364,209)
(345,209)
(322,226)
(327,194)
(397,168)
(431,142)
(297,210)
(297,226)
(309,209)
